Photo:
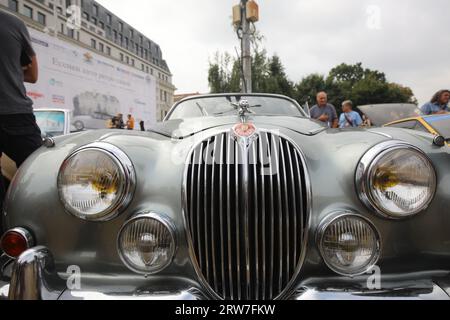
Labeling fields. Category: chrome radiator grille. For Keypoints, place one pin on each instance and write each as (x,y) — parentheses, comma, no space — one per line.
(246,212)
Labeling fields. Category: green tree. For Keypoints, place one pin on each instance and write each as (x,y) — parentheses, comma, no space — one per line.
(362,86)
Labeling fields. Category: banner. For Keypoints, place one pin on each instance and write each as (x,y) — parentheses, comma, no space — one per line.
(93,87)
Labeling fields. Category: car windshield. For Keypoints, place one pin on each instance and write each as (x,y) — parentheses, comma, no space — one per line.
(51,123)
(441,124)
(381,114)
(216,106)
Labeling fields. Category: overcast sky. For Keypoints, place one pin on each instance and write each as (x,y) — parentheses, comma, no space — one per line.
(409,40)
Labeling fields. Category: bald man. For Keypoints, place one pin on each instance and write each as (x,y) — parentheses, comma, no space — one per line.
(325,112)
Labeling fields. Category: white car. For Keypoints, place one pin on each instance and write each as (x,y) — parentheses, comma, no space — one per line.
(52,122)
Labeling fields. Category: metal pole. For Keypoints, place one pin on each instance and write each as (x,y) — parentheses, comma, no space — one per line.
(246,50)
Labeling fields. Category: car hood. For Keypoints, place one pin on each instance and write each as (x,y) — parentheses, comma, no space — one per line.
(184,128)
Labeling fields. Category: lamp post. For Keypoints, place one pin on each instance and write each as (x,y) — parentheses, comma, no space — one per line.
(243,15)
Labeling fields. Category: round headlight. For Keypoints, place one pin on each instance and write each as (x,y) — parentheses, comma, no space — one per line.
(146,243)
(96,182)
(396,180)
(350,245)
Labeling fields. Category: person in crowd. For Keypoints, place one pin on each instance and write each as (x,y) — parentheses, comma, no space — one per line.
(325,112)
(130,122)
(111,123)
(120,124)
(438,104)
(142,125)
(366,121)
(349,118)
(20,135)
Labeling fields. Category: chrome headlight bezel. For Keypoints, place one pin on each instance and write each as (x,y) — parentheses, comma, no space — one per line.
(128,177)
(332,218)
(167,223)
(366,167)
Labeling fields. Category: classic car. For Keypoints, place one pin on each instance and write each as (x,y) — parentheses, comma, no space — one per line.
(438,125)
(381,114)
(234,197)
(96,120)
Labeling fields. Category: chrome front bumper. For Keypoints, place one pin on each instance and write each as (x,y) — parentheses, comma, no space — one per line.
(34,278)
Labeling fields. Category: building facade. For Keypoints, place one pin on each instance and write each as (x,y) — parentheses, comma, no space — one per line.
(87,24)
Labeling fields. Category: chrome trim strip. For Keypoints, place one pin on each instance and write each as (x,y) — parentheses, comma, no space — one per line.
(199,242)
(272,222)
(164,221)
(364,170)
(222,249)
(213,247)
(205,210)
(255,183)
(275,147)
(331,218)
(263,209)
(237,215)
(127,173)
(230,263)
(286,206)
(294,202)
(289,288)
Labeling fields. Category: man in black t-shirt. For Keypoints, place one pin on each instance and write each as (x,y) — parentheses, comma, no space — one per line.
(20,136)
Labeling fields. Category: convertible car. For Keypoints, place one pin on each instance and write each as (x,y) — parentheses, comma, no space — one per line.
(234,197)
(438,125)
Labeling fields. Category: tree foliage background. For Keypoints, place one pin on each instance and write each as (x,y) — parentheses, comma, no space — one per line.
(345,81)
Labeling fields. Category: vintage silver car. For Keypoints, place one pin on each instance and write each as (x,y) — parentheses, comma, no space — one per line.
(235,197)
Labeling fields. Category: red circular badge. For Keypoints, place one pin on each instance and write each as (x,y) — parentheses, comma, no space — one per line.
(244,130)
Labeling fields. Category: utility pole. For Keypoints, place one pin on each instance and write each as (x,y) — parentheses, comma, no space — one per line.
(246,54)
(243,15)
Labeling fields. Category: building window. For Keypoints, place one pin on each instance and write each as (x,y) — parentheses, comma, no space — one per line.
(101,47)
(95,10)
(94,20)
(101,25)
(70,33)
(93,43)
(121,57)
(115,36)
(108,18)
(85,16)
(141,40)
(126,42)
(131,33)
(128,60)
(146,69)
(41,18)
(28,12)
(137,48)
(62,28)
(108,51)
(142,67)
(59,10)
(121,39)
(120,27)
(146,54)
(132,62)
(108,30)
(14,5)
